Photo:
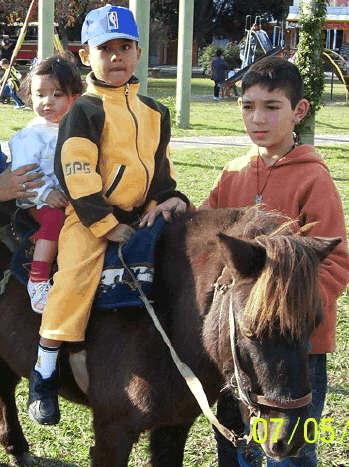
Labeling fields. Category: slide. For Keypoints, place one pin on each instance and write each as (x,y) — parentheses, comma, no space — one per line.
(339,66)
(239,74)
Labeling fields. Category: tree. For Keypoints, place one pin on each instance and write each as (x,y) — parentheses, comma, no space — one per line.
(230,14)
(309,61)
(69,14)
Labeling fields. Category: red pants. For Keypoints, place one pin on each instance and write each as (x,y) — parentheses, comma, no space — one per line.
(51,221)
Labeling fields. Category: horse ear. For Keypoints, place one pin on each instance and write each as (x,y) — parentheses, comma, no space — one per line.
(325,245)
(247,257)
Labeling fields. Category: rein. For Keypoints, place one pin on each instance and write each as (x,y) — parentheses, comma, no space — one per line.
(251,400)
(4,281)
(192,381)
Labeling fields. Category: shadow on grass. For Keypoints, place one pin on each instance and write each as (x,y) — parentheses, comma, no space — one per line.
(198,126)
(45,462)
(328,125)
(338,390)
(200,166)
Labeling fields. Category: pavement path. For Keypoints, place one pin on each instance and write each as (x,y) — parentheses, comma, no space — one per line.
(192,142)
(189,142)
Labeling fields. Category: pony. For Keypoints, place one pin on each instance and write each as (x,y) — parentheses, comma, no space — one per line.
(237,293)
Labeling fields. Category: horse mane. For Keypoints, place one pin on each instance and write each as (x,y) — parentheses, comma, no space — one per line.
(286,294)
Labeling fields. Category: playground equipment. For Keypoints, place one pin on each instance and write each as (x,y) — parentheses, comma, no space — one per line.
(339,66)
(256,39)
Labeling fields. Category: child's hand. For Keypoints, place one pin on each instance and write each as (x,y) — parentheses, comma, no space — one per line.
(120,233)
(56,199)
(169,208)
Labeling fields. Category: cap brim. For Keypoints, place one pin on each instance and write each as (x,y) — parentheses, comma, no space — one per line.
(102,38)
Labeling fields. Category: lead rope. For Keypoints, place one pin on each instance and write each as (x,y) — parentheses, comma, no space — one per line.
(243,394)
(4,281)
(192,381)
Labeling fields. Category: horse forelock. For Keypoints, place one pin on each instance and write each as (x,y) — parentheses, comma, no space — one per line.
(286,294)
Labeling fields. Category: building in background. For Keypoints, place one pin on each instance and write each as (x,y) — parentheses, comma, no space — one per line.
(336,26)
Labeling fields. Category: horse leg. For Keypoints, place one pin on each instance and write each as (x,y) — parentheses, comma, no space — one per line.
(11,434)
(167,445)
(113,443)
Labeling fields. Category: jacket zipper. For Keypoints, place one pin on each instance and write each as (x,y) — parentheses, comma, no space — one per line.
(115,182)
(137,148)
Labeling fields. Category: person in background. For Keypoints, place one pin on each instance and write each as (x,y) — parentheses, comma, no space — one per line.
(6,47)
(218,72)
(12,85)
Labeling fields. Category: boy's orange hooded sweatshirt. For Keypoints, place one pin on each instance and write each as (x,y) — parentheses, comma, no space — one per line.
(300,186)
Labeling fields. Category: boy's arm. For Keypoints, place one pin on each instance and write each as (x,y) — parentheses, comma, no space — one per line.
(25,149)
(76,166)
(323,205)
(163,184)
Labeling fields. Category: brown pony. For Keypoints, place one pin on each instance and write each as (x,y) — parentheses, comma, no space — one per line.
(207,263)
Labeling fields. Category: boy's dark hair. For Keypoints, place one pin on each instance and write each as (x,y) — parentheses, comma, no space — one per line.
(275,73)
(59,67)
(219,52)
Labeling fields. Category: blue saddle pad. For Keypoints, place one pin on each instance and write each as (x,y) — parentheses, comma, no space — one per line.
(22,257)
(116,289)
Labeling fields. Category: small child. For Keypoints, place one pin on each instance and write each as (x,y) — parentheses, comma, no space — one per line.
(279,174)
(54,85)
(113,165)
(13,83)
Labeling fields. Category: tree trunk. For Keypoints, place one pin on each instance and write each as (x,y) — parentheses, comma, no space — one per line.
(307,132)
(309,61)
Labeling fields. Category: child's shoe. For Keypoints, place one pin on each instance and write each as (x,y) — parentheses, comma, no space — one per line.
(43,398)
(38,292)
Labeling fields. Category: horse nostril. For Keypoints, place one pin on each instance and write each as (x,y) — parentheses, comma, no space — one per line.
(280,448)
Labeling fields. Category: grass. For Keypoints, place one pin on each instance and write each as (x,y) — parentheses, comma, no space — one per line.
(209,117)
(67,445)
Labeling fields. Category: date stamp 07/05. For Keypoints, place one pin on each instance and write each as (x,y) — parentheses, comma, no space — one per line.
(314,431)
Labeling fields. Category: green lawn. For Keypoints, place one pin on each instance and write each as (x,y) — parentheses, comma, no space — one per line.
(67,445)
(208,117)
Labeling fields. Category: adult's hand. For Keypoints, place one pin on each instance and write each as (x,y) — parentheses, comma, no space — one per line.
(21,183)
(169,209)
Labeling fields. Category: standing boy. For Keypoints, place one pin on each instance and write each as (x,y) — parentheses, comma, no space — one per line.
(278,174)
(112,163)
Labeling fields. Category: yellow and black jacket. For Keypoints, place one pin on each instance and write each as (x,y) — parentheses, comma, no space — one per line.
(112,155)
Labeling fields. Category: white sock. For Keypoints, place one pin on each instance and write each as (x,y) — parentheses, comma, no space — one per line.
(47,359)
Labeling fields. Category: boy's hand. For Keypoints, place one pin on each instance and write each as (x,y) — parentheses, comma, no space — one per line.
(169,208)
(120,233)
(56,199)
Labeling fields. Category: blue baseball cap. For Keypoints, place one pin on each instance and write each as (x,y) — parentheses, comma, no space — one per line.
(107,23)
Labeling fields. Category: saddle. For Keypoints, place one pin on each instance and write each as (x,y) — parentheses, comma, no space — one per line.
(116,289)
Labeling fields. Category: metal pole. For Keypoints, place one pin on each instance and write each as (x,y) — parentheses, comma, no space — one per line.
(332,86)
(46,28)
(141,11)
(184,62)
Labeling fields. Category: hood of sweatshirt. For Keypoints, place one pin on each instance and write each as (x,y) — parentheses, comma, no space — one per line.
(302,154)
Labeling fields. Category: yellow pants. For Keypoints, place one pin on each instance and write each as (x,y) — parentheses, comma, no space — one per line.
(80,263)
